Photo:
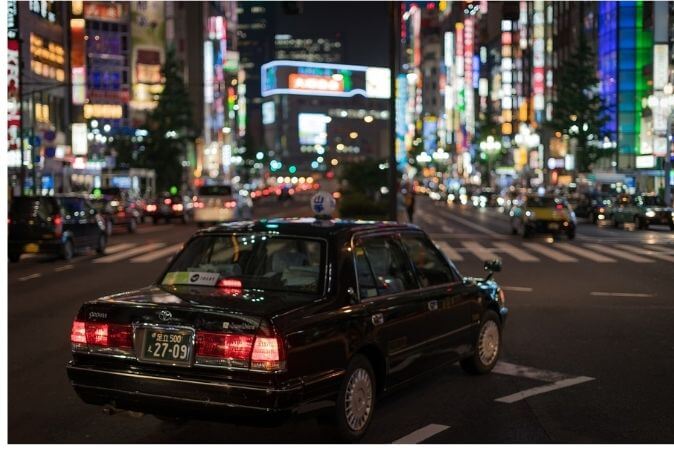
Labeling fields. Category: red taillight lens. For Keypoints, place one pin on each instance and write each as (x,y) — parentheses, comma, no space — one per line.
(267,354)
(167,201)
(102,334)
(231,204)
(58,225)
(177,207)
(77,333)
(559,206)
(198,204)
(230,283)
(224,346)
(151,208)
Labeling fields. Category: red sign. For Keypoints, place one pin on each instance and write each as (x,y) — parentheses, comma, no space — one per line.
(315,83)
(13,100)
(539,80)
(114,12)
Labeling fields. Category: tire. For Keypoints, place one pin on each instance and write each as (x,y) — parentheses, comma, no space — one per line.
(155,220)
(640,223)
(571,234)
(14,257)
(102,243)
(671,226)
(108,227)
(615,222)
(184,219)
(359,386)
(68,250)
(132,226)
(490,329)
(526,232)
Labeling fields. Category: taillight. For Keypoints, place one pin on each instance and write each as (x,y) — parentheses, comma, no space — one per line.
(151,208)
(167,201)
(198,203)
(58,225)
(101,335)
(177,207)
(231,204)
(239,350)
(267,354)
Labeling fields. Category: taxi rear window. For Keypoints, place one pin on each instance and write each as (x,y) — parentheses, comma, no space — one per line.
(251,261)
(215,190)
(544,202)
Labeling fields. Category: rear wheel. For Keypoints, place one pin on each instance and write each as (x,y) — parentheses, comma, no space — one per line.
(355,401)
(132,226)
(14,257)
(571,234)
(615,222)
(640,223)
(102,243)
(155,220)
(487,346)
(68,250)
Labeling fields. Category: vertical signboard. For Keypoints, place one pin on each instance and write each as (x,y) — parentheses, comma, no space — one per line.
(13,67)
(147,39)
(78,61)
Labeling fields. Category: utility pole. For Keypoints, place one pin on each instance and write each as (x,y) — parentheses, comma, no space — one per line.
(394,42)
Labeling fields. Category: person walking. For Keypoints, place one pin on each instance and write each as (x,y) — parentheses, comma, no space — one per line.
(409,203)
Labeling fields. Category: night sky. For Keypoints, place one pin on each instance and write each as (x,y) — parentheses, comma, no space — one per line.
(363,27)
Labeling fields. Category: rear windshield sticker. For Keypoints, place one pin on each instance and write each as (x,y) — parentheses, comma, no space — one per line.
(192,278)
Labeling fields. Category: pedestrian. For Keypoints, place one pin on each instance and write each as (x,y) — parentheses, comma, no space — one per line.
(409,203)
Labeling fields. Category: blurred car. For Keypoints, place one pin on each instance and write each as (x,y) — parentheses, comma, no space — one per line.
(60,225)
(599,208)
(271,318)
(543,214)
(484,198)
(168,207)
(220,203)
(285,193)
(117,208)
(642,210)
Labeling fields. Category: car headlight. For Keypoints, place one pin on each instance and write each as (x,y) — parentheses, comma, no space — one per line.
(650,213)
(530,214)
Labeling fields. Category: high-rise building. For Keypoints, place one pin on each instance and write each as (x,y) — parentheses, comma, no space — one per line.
(308,48)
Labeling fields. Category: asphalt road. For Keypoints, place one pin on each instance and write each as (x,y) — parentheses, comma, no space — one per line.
(588,353)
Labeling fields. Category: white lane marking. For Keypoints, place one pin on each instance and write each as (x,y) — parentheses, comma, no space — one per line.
(586,253)
(421,434)
(449,251)
(517,288)
(516,397)
(170,250)
(515,252)
(515,370)
(479,251)
(619,294)
(62,268)
(153,229)
(619,253)
(129,253)
(549,252)
(30,277)
(651,253)
(472,225)
(117,248)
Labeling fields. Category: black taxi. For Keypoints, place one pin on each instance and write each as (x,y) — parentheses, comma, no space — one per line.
(283,316)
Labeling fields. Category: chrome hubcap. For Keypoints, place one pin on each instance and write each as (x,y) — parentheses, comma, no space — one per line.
(488,343)
(358,399)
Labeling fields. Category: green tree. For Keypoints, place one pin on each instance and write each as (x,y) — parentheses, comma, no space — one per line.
(579,111)
(170,127)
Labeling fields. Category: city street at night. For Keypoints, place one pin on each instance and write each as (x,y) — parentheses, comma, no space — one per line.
(584,357)
(328,222)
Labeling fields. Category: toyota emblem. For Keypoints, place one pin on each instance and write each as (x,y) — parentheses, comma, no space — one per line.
(165,315)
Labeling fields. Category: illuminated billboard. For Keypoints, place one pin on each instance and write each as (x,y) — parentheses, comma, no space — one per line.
(313,128)
(147,38)
(330,80)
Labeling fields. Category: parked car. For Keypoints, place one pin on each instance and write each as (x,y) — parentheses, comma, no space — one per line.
(642,210)
(543,214)
(118,208)
(219,203)
(268,318)
(60,225)
(168,207)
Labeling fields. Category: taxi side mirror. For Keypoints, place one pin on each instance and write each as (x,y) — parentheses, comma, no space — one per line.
(492,266)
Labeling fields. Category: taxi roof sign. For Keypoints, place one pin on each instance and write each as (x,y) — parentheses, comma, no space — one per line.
(323,204)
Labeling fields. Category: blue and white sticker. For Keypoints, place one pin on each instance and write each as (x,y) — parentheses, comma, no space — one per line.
(323,204)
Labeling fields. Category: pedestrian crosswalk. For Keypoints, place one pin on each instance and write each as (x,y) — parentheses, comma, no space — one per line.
(138,253)
(560,252)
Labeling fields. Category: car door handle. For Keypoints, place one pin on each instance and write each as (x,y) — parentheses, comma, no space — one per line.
(377,319)
(433,305)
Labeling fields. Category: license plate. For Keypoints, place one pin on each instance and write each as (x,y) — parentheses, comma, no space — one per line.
(553,226)
(167,346)
(31,248)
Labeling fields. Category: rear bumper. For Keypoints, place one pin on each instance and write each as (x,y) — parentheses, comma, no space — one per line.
(214,214)
(50,246)
(550,226)
(184,397)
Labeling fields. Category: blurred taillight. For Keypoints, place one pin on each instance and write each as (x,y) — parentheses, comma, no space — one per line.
(151,208)
(167,201)
(58,225)
(231,204)
(177,207)
(77,333)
